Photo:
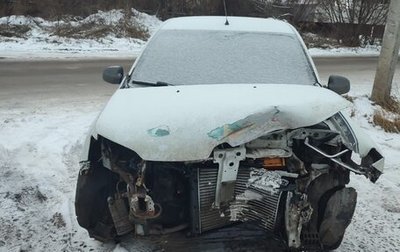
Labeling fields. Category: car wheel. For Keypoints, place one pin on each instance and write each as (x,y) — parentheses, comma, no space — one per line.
(336,211)
(91,208)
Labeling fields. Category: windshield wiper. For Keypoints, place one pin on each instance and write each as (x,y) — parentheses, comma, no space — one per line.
(157,84)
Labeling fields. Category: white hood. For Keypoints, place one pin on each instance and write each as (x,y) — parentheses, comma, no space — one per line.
(185,123)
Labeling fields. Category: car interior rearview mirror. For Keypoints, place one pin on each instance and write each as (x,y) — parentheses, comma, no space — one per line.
(113,74)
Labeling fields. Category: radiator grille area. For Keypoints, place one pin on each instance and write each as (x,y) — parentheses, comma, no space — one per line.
(263,211)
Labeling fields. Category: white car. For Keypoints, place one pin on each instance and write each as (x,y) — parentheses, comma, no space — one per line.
(219,123)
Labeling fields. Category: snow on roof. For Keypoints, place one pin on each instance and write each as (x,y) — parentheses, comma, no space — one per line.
(235,24)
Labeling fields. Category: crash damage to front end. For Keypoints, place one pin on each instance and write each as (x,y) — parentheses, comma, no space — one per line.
(275,160)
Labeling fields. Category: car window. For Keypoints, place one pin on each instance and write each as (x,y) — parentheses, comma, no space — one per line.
(184,57)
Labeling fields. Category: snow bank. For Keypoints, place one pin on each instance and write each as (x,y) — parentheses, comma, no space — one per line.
(23,20)
(39,149)
(39,42)
(368,51)
(375,226)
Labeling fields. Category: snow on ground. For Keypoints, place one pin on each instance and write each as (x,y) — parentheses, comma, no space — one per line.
(40,144)
(368,51)
(41,43)
(376,225)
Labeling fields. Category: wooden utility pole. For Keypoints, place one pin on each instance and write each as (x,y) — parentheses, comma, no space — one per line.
(389,55)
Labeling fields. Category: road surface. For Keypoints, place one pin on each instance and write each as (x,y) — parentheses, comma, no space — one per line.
(77,79)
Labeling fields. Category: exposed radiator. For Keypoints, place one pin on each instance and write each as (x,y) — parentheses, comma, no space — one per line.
(263,211)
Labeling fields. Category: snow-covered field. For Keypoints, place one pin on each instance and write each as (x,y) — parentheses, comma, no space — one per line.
(41,43)
(40,144)
(376,226)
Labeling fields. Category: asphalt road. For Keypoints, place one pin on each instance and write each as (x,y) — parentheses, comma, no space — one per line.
(76,79)
(69,79)
(359,70)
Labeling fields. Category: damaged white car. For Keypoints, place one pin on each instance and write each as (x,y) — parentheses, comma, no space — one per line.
(220,122)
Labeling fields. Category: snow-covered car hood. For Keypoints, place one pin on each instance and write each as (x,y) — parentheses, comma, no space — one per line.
(185,123)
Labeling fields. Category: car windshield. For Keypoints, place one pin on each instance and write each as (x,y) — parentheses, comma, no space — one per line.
(184,57)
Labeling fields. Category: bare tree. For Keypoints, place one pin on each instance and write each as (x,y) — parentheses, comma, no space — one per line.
(356,14)
(296,11)
(7,8)
(267,8)
(303,11)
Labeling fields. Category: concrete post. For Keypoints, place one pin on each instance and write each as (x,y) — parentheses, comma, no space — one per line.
(389,55)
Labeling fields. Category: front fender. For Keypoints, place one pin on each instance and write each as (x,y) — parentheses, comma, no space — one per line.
(372,160)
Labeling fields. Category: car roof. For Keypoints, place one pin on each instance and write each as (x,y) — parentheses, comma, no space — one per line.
(217,23)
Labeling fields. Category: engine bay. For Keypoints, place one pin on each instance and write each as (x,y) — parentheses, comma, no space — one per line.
(282,182)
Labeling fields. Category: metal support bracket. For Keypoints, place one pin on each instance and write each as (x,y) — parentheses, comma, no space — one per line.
(334,157)
(228,166)
(298,211)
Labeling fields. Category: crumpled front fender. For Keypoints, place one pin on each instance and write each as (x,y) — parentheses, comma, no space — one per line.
(356,139)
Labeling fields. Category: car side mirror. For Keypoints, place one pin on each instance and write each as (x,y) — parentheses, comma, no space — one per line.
(339,84)
(113,74)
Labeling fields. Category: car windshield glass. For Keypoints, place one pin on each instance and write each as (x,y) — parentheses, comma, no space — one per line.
(183,57)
